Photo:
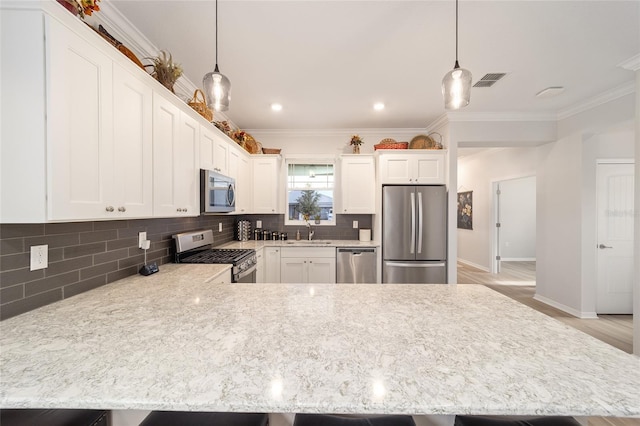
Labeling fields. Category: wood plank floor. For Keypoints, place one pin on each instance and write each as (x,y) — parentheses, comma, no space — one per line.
(517,281)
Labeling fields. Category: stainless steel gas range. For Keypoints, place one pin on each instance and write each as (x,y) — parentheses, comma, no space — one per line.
(196,247)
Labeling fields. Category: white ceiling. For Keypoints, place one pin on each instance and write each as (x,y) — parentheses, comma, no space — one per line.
(327,62)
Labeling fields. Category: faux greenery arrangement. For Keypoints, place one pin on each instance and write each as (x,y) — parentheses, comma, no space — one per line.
(165,70)
(308,203)
(356,140)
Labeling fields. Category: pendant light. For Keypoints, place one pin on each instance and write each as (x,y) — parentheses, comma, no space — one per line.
(217,87)
(456,84)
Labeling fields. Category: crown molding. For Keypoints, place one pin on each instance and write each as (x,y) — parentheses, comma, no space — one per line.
(122,29)
(603,98)
(631,64)
(339,132)
(499,116)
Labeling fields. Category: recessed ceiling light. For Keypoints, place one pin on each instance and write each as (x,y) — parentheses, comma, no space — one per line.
(550,91)
(276,107)
(378,106)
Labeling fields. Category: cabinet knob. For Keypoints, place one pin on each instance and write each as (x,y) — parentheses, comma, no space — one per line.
(345,210)
(184,210)
(178,209)
(109,208)
(122,209)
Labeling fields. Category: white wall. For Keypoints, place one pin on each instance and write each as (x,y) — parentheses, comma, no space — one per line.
(566,221)
(518,219)
(477,173)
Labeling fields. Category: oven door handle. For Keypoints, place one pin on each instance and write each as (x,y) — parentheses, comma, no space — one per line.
(246,272)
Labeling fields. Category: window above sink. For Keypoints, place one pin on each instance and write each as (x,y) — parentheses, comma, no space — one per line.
(310,192)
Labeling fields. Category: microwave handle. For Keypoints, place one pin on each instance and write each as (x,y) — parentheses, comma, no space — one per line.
(231,194)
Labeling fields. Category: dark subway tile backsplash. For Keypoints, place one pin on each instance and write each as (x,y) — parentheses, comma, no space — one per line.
(86,255)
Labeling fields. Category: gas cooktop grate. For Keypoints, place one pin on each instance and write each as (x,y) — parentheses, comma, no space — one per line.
(232,256)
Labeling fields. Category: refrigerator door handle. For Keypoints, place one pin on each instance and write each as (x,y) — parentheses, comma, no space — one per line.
(419,222)
(413,223)
(416,264)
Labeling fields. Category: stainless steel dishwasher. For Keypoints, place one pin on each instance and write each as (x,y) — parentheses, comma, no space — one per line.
(356,265)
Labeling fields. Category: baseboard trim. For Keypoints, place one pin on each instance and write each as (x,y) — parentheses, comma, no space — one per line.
(576,313)
(518,259)
(474,265)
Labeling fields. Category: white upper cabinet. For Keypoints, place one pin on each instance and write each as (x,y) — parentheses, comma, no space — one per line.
(175,160)
(412,167)
(80,128)
(266,184)
(132,137)
(358,177)
(214,150)
(240,170)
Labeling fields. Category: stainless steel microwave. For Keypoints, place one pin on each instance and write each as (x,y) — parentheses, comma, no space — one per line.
(217,192)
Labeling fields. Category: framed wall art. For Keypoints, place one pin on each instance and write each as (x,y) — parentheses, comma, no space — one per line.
(465,210)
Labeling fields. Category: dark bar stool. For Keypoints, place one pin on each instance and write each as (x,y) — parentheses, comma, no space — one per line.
(28,417)
(182,418)
(334,420)
(536,421)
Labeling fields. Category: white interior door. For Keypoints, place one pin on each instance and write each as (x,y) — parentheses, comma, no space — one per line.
(615,238)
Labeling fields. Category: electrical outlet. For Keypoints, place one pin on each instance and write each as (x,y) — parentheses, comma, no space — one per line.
(142,237)
(39,257)
(355,224)
(258,224)
(220,227)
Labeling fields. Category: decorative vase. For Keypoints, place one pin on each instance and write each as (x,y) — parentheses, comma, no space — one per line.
(356,149)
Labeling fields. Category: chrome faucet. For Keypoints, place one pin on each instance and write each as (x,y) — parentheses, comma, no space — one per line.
(310,231)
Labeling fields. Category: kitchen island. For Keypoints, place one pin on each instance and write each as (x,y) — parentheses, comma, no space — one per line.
(174,341)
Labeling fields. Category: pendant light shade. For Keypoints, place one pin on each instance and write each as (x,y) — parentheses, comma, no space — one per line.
(456,84)
(217,87)
(456,88)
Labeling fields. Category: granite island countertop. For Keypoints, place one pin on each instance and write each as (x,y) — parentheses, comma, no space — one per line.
(172,341)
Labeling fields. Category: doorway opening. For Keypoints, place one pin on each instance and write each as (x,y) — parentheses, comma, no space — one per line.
(514,230)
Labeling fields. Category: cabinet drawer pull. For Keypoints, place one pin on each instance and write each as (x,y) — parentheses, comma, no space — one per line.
(122,209)
(109,208)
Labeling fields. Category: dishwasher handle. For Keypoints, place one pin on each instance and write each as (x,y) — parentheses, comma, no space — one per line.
(356,251)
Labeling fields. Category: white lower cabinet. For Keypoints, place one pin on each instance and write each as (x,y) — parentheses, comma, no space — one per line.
(308,265)
(271,265)
(260,265)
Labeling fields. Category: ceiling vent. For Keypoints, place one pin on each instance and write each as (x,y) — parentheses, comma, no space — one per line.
(489,79)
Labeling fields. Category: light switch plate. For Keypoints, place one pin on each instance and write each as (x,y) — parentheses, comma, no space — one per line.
(39,257)
(355,224)
(142,237)
(259,224)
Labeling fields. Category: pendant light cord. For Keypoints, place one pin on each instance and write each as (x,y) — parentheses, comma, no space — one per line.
(217,34)
(455,66)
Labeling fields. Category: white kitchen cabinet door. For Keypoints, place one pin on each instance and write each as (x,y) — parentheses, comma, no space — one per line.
(429,168)
(271,265)
(206,148)
(321,270)
(266,184)
(220,155)
(293,270)
(260,266)
(358,176)
(413,168)
(187,174)
(80,127)
(132,145)
(175,160)
(240,170)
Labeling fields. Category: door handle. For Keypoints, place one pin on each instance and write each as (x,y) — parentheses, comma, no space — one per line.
(602,246)
(413,223)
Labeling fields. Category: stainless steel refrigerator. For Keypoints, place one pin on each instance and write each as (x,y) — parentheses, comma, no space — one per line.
(414,234)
